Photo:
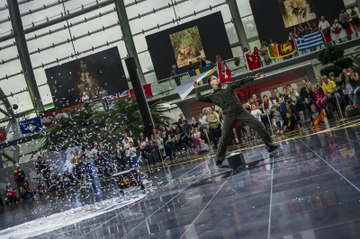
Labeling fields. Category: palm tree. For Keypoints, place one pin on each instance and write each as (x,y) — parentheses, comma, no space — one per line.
(86,126)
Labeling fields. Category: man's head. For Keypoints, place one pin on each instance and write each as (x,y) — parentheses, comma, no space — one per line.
(313,107)
(288,114)
(332,76)
(253,107)
(275,90)
(325,79)
(214,82)
(254,97)
(322,18)
(304,81)
(174,66)
(181,115)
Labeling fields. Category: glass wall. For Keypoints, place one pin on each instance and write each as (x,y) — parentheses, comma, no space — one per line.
(98,30)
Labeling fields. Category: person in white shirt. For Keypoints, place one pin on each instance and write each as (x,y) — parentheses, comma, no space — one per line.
(85,98)
(125,135)
(324,28)
(256,112)
(337,31)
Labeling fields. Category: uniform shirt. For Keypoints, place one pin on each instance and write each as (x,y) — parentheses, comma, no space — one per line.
(224,97)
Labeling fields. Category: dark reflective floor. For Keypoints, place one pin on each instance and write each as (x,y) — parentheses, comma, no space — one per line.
(311,189)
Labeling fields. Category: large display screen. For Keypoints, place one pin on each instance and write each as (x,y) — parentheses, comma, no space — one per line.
(276,18)
(92,75)
(295,12)
(187,46)
(188,42)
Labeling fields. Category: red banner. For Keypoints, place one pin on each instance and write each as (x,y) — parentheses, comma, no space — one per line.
(2,134)
(147,90)
(253,61)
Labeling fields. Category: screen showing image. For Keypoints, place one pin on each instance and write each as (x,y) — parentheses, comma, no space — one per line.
(187,46)
(96,75)
(295,12)
(188,42)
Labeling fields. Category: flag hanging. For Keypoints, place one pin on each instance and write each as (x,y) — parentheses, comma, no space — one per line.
(185,89)
(309,41)
(2,134)
(211,70)
(253,61)
(147,91)
(30,126)
(282,50)
(223,72)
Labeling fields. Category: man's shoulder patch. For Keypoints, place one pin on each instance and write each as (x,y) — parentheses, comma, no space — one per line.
(224,86)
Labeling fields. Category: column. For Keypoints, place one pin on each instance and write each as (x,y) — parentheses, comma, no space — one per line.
(24,54)
(126,31)
(239,27)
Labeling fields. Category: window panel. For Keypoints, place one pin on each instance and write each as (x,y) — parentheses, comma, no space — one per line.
(47,40)
(74,5)
(250,26)
(140,42)
(45,94)
(230,29)
(8,53)
(13,84)
(25,7)
(23,100)
(5,27)
(10,68)
(145,61)
(152,20)
(40,76)
(189,7)
(244,7)
(96,24)
(41,16)
(52,54)
(144,7)
(98,38)
(349,2)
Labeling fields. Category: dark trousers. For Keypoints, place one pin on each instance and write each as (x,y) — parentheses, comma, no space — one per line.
(245,118)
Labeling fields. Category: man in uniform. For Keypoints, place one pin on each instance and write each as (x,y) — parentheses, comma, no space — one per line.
(224,97)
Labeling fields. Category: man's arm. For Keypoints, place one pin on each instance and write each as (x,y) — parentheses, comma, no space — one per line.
(241,82)
(198,95)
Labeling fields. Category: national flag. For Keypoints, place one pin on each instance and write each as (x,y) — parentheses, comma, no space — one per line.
(48,118)
(185,89)
(30,126)
(223,72)
(147,91)
(282,50)
(253,61)
(2,134)
(309,41)
(211,70)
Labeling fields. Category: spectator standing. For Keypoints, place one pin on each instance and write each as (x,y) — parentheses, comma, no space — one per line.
(355,22)
(324,28)
(174,74)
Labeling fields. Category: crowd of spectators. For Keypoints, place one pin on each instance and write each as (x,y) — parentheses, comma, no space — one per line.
(341,29)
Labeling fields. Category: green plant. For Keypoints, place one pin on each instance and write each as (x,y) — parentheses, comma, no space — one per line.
(333,68)
(86,126)
(330,54)
(334,55)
